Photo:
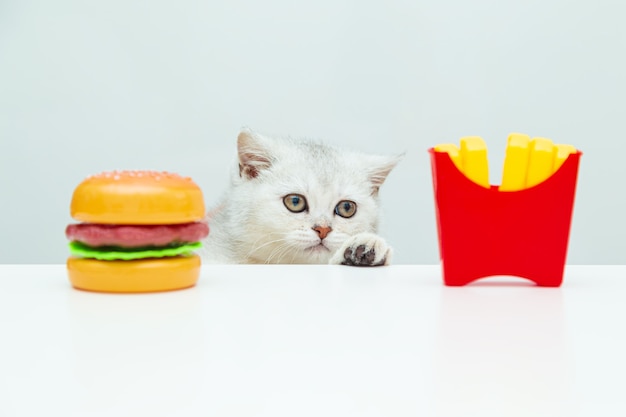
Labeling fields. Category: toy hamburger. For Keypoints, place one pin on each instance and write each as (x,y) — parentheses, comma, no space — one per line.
(137,233)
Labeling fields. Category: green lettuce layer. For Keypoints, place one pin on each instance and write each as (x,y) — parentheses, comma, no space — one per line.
(110,253)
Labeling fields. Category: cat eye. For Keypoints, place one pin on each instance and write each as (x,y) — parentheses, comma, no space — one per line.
(295,203)
(345,208)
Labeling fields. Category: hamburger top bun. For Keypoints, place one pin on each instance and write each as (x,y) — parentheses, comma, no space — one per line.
(137,197)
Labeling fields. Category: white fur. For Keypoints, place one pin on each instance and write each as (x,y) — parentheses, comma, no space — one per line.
(252,224)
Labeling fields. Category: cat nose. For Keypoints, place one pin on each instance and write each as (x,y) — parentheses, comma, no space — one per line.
(322,231)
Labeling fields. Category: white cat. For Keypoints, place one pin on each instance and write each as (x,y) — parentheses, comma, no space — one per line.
(299,202)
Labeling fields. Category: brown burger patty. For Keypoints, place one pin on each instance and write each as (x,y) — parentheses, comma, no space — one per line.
(130,236)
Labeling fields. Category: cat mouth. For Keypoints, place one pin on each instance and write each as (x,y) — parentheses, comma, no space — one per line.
(320,247)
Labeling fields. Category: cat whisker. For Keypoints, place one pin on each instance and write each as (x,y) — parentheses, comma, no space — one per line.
(293,257)
(284,253)
(278,252)
(256,248)
(264,236)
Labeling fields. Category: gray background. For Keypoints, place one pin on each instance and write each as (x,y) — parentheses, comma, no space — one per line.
(93,86)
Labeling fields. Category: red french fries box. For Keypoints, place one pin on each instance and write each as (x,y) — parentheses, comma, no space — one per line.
(485,232)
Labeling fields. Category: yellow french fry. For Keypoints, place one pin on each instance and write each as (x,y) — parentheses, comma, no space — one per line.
(540,161)
(474,157)
(453,151)
(515,162)
(561,154)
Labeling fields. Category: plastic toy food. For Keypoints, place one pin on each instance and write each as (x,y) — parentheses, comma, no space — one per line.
(138,232)
(515,163)
(519,228)
(471,158)
(530,162)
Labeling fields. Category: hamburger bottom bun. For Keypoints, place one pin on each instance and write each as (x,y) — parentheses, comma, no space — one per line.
(137,198)
(143,275)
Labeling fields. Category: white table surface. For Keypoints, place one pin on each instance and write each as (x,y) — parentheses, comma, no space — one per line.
(315,341)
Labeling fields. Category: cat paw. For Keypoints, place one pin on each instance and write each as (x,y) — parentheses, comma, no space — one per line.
(364,249)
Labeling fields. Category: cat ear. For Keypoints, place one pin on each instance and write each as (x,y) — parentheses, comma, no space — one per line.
(254,154)
(379,168)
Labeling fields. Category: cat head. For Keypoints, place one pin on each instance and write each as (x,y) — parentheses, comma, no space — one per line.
(298,201)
